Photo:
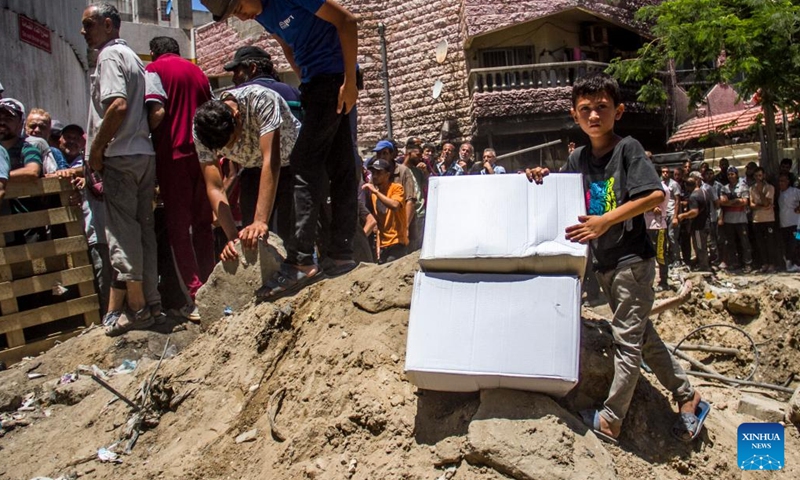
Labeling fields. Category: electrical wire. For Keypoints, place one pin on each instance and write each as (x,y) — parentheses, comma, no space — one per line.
(722,325)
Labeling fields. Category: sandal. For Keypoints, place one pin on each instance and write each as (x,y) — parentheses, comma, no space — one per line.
(592,420)
(688,426)
(286,281)
(141,320)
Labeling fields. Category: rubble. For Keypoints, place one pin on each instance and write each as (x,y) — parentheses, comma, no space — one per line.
(761,408)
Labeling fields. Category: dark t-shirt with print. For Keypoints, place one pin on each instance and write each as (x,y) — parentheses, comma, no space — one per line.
(608,182)
(699,200)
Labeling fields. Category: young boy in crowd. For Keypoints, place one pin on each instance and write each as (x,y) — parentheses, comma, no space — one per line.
(386,202)
(621,185)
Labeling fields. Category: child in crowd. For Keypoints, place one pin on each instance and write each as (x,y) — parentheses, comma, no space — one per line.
(621,185)
(386,203)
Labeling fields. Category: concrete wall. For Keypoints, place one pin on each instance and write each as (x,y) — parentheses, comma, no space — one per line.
(138,36)
(55,81)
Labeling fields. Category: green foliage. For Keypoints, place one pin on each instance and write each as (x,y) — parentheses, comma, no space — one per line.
(760,40)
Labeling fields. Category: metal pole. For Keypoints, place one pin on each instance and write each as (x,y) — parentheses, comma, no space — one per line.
(385,75)
(529,149)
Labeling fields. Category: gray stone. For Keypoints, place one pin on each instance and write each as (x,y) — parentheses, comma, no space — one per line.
(233,284)
(761,408)
(529,436)
(449,451)
(9,401)
(248,436)
(793,408)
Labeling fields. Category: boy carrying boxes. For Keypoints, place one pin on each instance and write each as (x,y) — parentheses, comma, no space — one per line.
(620,185)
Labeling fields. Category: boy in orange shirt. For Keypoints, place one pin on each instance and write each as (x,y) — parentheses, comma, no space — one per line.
(386,202)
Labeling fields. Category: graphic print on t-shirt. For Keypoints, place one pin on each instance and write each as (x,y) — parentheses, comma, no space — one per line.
(600,197)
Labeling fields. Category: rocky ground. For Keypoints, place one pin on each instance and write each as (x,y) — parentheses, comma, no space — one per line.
(313,387)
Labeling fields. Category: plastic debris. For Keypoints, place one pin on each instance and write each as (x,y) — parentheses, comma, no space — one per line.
(34,375)
(227,311)
(59,289)
(248,436)
(106,455)
(68,378)
(127,366)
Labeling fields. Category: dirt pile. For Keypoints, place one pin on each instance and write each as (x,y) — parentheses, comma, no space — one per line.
(316,383)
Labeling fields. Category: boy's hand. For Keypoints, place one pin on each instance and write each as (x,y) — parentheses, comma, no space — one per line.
(348,96)
(229,252)
(536,174)
(591,227)
(369,187)
(251,234)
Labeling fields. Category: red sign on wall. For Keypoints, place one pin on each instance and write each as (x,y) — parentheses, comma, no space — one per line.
(34,33)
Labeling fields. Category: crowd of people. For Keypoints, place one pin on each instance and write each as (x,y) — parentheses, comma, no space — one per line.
(722,220)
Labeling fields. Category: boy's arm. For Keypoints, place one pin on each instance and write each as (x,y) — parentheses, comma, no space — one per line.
(347,27)
(269,143)
(289,54)
(593,226)
(691,213)
(392,203)
(221,207)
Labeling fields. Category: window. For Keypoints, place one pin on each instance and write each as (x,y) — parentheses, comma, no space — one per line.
(165,5)
(506,57)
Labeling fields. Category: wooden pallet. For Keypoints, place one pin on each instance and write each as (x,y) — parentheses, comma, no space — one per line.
(37,267)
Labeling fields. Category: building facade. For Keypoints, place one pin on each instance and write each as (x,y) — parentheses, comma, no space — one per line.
(502,76)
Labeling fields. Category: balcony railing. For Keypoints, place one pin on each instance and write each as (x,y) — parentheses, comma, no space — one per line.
(540,75)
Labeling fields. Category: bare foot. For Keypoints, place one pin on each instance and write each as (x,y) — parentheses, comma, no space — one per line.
(691,405)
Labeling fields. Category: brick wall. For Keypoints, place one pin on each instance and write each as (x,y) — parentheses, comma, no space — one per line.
(413,29)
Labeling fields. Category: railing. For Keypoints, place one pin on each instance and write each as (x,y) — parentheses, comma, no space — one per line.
(541,75)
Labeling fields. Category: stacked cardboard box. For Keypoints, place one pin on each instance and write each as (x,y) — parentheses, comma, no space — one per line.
(498,301)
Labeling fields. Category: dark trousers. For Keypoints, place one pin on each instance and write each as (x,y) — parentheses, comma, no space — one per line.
(766,243)
(737,244)
(700,245)
(282,217)
(791,245)
(685,241)
(322,163)
(393,252)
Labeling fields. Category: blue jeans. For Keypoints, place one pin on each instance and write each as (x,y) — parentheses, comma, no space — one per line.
(323,165)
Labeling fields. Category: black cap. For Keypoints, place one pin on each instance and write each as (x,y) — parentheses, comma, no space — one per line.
(381,164)
(250,52)
(72,126)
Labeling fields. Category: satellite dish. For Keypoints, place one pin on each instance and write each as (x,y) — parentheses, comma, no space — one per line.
(441,51)
(437,89)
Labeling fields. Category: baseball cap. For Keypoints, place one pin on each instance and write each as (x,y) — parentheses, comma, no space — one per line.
(72,126)
(246,53)
(381,164)
(383,144)
(220,9)
(55,128)
(14,106)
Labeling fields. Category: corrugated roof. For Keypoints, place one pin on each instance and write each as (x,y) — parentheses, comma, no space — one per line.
(724,123)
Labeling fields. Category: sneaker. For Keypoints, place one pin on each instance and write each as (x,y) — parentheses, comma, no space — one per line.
(191,312)
(747,269)
(793,268)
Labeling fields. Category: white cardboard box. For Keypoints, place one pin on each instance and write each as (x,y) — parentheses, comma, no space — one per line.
(468,332)
(503,224)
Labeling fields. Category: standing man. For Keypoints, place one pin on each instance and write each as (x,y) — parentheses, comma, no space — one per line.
(673,209)
(762,204)
(176,87)
(447,166)
(696,216)
(320,41)
(489,165)
(120,148)
(734,199)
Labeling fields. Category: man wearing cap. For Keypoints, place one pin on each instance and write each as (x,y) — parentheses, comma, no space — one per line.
(252,65)
(25,158)
(39,125)
(119,146)
(320,41)
(176,87)
(386,205)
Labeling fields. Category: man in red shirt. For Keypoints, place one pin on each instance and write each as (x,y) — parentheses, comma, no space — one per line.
(175,88)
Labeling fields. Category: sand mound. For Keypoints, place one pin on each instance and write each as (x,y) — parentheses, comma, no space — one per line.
(316,383)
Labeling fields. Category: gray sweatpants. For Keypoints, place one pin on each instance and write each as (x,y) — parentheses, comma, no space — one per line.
(630,293)
(128,187)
